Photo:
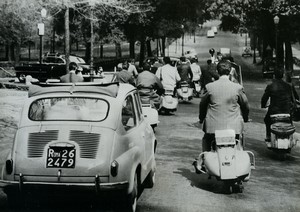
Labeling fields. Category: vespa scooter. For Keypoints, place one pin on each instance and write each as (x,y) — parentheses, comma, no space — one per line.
(227,161)
(282,135)
(169,102)
(185,92)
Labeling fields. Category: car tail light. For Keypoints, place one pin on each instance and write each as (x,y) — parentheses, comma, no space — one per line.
(9,166)
(114,168)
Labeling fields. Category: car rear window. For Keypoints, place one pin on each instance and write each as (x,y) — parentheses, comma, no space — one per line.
(68,109)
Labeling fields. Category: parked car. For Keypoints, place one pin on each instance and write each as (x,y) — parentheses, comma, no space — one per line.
(226,52)
(53,66)
(214,29)
(268,68)
(210,34)
(82,139)
(56,58)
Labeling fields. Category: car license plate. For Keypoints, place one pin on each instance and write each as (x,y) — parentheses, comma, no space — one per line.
(61,157)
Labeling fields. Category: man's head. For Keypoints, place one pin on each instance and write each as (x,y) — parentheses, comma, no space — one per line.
(72,66)
(219,56)
(224,67)
(278,74)
(125,65)
(167,60)
(146,67)
(209,62)
(183,59)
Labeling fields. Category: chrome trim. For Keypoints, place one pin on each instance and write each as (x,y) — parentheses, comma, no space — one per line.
(101,186)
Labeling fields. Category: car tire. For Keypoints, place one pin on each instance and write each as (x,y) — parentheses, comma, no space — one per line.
(150,179)
(14,200)
(131,199)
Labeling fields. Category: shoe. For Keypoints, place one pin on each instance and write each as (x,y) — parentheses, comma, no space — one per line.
(197,170)
(269,145)
(268,142)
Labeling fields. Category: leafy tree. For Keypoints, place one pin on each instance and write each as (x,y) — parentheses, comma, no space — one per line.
(257,17)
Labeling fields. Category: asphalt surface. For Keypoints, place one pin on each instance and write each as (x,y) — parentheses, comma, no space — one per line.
(273,185)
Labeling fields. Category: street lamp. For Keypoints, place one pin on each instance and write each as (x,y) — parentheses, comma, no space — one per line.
(41,31)
(276,22)
(182,43)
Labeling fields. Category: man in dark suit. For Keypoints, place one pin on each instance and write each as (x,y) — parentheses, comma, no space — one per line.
(185,71)
(223,106)
(281,98)
(71,76)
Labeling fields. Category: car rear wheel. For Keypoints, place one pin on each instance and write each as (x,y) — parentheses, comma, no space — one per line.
(131,199)
(150,180)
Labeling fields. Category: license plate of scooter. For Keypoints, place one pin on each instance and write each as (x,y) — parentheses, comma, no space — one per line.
(283,144)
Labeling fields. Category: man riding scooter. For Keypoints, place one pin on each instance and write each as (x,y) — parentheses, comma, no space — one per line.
(223,106)
(281,95)
(149,86)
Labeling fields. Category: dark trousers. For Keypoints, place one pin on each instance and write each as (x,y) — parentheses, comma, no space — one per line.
(268,123)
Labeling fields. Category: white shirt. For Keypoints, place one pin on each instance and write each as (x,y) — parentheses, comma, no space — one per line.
(196,71)
(132,70)
(169,76)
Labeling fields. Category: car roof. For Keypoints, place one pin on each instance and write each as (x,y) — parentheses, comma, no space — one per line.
(109,89)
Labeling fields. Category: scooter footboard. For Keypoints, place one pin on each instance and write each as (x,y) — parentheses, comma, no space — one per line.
(252,159)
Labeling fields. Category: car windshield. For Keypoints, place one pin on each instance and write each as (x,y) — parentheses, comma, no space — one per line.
(68,108)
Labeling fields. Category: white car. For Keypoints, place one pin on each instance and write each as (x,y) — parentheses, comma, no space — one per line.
(214,29)
(210,34)
(81,139)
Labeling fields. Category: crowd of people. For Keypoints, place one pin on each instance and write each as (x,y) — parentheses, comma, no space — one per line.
(223,104)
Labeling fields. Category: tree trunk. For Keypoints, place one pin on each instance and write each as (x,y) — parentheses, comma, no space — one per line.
(142,51)
(163,46)
(131,48)
(17,54)
(29,50)
(87,52)
(67,39)
(149,49)
(118,50)
(7,52)
(11,52)
(254,47)
(101,50)
(288,60)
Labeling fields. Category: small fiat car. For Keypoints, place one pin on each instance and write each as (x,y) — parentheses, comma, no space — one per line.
(85,138)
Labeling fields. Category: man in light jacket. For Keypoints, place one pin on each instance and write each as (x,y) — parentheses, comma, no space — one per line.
(223,106)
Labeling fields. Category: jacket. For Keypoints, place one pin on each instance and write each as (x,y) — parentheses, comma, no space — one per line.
(224,106)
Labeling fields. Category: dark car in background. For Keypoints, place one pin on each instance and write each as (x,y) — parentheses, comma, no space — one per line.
(53,67)
(268,68)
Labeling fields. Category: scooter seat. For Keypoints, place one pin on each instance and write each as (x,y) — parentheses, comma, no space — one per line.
(282,128)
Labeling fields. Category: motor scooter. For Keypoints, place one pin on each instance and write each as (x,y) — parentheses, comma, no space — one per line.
(150,114)
(228,161)
(185,92)
(197,88)
(169,102)
(282,134)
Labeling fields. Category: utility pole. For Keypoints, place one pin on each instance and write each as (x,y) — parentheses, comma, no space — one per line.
(67,35)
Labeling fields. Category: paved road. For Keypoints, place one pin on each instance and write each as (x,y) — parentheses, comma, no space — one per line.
(273,186)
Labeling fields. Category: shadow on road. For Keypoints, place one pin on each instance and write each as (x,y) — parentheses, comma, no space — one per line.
(201,181)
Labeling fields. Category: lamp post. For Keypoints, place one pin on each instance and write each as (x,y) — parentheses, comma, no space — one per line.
(182,43)
(41,31)
(276,22)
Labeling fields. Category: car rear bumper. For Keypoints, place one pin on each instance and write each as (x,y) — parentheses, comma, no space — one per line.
(97,186)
